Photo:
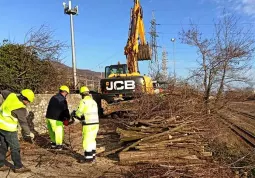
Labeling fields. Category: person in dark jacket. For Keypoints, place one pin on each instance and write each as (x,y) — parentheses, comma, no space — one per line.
(13,111)
(56,116)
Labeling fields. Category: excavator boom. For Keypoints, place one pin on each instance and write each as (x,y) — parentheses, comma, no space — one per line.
(123,82)
(136,48)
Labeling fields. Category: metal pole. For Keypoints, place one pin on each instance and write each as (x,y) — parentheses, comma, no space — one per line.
(73,51)
(173,40)
(72,11)
(174,60)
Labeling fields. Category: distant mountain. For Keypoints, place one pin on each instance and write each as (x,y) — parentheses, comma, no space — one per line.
(81,73)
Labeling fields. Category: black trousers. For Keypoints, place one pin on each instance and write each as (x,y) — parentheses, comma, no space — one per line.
(10,139)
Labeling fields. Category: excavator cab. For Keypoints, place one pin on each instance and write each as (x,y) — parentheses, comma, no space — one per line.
(115,69)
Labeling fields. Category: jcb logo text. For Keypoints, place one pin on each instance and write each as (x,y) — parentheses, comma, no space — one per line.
(120,85)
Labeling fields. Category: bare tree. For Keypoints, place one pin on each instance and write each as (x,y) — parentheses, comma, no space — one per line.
(41,41)
(224,57)
(234,47)
(205,72)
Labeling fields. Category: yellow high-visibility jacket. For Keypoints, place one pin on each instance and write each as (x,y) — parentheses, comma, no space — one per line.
(88,108)
(7,121)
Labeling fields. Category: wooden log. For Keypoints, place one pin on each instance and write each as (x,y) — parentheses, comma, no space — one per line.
(126,135)
(156,120)
(177,138)
(165,137)
(169,147)
(154,136)
(206,154)
(145,123)
(146,129)
(136,155)
(110,152)
(156,157)
(176,144)
(100,150)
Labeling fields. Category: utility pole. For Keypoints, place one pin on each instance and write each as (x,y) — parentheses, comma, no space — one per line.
(164,64)
(173,40)
(154,63)
(69,11)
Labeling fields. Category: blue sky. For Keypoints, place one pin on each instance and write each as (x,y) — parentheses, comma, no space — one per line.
(101,28)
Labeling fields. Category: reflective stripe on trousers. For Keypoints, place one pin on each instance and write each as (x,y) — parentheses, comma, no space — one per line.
(56,131)
(89,134)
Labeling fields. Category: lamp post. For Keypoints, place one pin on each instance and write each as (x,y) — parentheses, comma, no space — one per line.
(173,40)
(69,11)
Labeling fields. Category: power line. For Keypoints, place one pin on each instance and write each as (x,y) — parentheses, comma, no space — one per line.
(204,24)
(242,33)
(172,10)
(107,59)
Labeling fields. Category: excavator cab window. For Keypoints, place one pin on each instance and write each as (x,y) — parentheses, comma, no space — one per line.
(115,69)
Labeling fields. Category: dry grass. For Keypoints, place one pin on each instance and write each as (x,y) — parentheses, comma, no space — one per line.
(229,149)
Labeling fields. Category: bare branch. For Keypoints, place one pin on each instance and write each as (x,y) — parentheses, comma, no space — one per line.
(41,42)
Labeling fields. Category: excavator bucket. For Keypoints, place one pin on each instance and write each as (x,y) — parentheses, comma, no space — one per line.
(144,52)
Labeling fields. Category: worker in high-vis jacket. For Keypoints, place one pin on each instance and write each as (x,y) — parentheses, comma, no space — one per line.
(87,113)
(57,115)
(13,112)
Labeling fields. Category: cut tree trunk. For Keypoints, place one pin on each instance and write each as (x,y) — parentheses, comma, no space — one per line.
(158,156)
(155,136)
(126,135)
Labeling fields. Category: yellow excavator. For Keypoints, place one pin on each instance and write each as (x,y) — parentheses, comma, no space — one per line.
(123,81)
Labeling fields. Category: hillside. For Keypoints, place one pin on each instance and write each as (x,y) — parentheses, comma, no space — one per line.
(81,73)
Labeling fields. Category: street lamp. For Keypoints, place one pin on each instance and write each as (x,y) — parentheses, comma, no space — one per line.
(69,11)
(173,40)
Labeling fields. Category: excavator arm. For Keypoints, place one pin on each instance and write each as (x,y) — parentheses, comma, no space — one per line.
(134,50)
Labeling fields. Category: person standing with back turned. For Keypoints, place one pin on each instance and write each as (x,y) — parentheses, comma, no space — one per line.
(13,111)
(87,113)
(57,116)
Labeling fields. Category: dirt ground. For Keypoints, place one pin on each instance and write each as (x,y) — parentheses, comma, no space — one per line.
(246,106)
(230,148)
(45,163)
(241,120)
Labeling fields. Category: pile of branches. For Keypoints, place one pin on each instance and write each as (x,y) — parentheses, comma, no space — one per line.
(169,129)
(177,100)
(164,140)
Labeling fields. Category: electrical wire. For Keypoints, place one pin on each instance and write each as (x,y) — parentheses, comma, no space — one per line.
(107,59)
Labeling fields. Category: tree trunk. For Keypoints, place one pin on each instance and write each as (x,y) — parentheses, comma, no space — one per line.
(158,156)
(220,90)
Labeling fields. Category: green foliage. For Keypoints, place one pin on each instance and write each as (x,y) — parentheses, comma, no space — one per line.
(21,67)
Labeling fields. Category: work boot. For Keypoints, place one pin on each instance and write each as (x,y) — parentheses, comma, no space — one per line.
(4,168)
(59,147)
(21,170)
(53,145)
(88,161)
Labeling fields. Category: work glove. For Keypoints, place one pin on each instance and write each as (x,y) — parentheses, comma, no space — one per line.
(82,120)
(32,135)
(71,121)
(66,122)
(73,115)
(29,138)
